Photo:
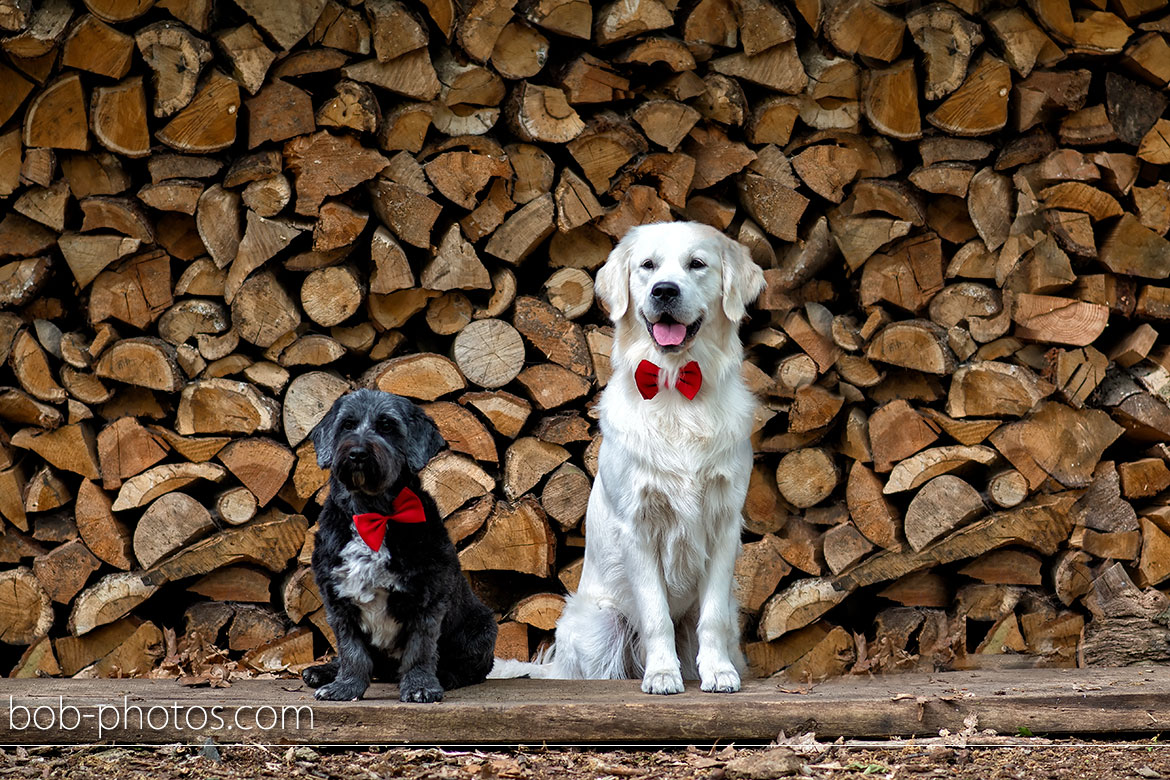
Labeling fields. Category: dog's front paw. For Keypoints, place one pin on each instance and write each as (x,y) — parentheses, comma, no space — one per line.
(420,687)
(342,690)
(316,676)
(662,682)
(722,679)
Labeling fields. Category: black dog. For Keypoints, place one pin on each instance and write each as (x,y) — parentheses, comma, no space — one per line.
(387,571)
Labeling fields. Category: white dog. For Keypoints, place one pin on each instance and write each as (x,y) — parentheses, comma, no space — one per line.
(663,524)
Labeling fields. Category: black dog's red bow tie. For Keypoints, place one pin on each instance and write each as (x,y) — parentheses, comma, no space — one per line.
(690,379)
(371,526)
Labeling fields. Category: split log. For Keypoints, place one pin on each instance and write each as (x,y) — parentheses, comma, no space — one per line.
(517,538)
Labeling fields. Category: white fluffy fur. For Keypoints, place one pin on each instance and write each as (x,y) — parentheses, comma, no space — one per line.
(664,517)
(365,579)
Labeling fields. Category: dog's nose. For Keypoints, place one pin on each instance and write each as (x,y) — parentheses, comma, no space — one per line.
(357,456)
(665,291)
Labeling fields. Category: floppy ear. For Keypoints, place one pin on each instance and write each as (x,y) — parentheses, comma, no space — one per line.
(323,435)
(743,281)
(612,285)
(423,440)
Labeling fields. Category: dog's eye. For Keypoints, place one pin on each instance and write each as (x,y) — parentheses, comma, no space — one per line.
(648,265)
(348,425)
(385,425)
(696,263)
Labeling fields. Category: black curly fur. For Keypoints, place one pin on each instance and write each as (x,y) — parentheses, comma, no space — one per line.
(447,635)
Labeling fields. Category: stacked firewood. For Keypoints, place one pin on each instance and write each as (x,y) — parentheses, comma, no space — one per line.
(220,215)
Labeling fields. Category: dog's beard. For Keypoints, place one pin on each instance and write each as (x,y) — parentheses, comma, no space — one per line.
(373,477)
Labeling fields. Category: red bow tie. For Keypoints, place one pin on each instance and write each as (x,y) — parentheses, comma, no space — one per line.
(690,379)
(371,526)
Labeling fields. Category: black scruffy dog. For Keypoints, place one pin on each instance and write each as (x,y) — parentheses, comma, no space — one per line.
(385,566)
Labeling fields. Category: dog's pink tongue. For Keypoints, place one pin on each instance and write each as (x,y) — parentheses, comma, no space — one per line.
(669,335)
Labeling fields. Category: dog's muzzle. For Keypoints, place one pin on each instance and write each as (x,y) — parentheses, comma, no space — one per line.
(365,466)
(664,320)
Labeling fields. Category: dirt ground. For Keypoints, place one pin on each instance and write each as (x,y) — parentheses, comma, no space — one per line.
(949,757)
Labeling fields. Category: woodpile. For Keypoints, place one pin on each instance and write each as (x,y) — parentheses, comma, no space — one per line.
(218,217)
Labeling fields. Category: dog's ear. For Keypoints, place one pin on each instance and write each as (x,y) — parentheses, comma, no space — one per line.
(423,440)
(612,285)
(323,435)
(743,281)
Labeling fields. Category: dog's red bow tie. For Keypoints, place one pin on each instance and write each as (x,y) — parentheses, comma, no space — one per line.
(690,379)
(371,526)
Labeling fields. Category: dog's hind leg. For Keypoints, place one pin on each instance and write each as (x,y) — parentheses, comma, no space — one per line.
(593,642)
(465,657)
(322,674)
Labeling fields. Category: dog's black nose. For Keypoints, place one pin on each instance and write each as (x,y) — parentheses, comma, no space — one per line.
(357,456)
(665,291)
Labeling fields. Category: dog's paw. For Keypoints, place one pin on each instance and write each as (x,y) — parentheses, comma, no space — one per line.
(316,676)
(662,682)
(341,690)
(421,687)
(721,679)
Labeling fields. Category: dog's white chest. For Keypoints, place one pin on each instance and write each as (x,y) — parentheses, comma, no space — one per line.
(364,579)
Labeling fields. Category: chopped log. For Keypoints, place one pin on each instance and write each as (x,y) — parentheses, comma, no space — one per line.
(1007,488)
(426,377)
(1153,565)
(25,611)
(160,480)
(107,537)
(994,389)
(565,495)
(1116,545)
(208,122)
(462,431)
(871,512)
(844,546)
(758,570)
(236,506)
(897,431)
(947,41)
(797,606)
(919,345)
(570,290)
(329,296)
(526,463)
(308,398)
(453,480)
(64,569)
(540,610)
(980,105)
(490,353)
(56,117)
(890,101)
(261,464)
(1032,444)
(315,161)
(506,413)
(270,541)
(223,406)
(169,523)
(943,504)
(517,538)
(1143,478)
(144,362)
(110,598)
(930,463)
(807,476)
(538,113)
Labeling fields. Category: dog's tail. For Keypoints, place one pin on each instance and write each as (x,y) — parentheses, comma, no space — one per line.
(543,668)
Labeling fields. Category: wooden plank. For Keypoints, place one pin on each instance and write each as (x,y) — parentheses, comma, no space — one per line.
(1049,702)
